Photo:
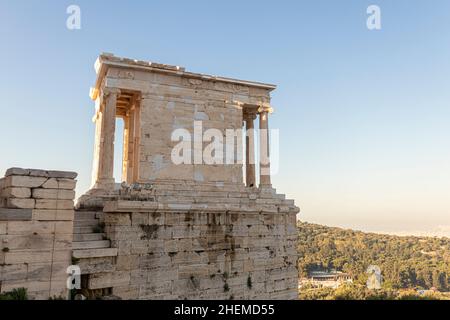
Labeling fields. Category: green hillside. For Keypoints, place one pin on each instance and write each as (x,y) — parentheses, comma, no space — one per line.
(406,262)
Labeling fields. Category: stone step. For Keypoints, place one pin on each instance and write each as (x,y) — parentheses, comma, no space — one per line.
(77,230)
(90,244)
(88,236)
(86,223)
(94,253)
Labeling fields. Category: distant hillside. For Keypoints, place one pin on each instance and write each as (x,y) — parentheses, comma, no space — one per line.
(406,262)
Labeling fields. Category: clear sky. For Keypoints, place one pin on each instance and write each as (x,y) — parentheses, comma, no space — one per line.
(364,116)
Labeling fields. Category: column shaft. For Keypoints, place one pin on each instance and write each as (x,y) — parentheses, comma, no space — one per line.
(106,159)
(130,148)
(125,155)
(137,140)
(250,151)
(97,143)
(264,157)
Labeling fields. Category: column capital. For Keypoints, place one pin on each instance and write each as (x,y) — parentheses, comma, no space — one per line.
(109,90)
(265,108)
(250,111)
(93,93)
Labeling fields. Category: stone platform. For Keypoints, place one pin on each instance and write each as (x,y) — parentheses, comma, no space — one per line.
(191,241)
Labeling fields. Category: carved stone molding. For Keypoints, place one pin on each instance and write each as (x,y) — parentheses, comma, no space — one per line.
(108,91)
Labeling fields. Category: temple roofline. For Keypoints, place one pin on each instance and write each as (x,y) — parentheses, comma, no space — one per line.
(106,60)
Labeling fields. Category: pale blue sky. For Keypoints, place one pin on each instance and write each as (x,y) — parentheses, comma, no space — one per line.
(364,116)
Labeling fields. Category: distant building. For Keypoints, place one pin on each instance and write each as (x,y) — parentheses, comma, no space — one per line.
(325,279)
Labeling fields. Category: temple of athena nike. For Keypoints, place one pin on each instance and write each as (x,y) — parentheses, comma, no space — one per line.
(207,227)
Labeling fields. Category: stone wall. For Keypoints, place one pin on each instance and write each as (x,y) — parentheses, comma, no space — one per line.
(36,230)
(210,244)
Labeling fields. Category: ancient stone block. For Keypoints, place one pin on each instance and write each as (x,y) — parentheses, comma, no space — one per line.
(24,181)
(63,227)
(95,253)
(110,279)
(127,262)
(38,173)
(13,272)
(17,172)
(30,227)
(53,194)
(20,242)
(117,219)
(138,277)
(59,272)
(3,227)
(155,290)
(97,265)
(20,203)
(193,270)
(54,204)
(13,192)
(61,255)
(8,214)
(62,174)
(51,183)
(35,289)
(52,215)
(67,184)
(39,271)
(127,292)
(28,256)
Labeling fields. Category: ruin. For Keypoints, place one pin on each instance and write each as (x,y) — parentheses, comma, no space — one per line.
(193,230)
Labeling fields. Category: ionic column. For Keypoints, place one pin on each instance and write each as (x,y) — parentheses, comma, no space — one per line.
(106,151)
(126,138)
(137,139)
(264,156)
(250,149)
(130,142)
